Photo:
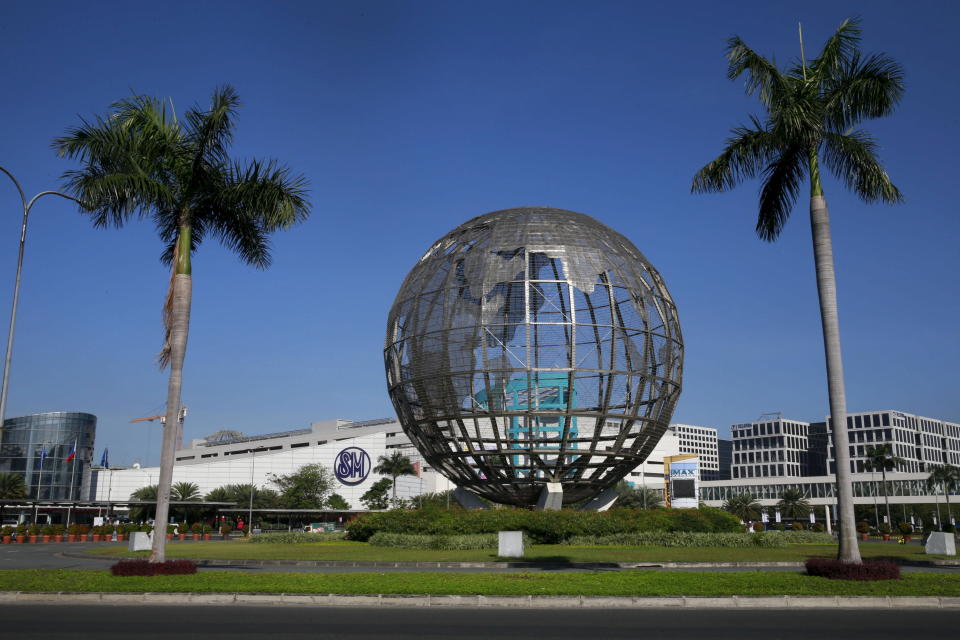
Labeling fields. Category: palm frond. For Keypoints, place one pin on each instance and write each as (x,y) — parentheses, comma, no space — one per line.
(781,186)
(269,190)
(763,77)
(211,131)
(111,198)
(838,50)
(865,88)
(748,150)
(852,158)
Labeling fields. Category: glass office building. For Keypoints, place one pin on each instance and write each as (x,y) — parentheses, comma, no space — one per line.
(53,452)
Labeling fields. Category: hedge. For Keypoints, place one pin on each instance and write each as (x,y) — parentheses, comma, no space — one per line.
(839,570)
(543,527)
(681,539)
(296,537)
(443,543)
(144,568)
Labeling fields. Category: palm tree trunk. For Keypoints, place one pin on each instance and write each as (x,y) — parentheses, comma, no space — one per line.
(827,289)
(946,494)
(182,286)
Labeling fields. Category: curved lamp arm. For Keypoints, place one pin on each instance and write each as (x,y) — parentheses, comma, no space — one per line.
(16,286)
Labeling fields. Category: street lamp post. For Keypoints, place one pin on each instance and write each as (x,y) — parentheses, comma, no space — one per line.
(27,205)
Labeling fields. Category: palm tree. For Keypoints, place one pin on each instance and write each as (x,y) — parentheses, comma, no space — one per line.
(147,494)
(142,161)
(185,492)
(811,112)
(394,465)
(881,458)
(946,478)
(793,504)
(744,506)
(12,487)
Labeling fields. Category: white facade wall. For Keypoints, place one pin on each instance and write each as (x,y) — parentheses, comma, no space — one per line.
(118,484)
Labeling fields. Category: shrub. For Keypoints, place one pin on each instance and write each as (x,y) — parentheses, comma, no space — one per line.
(806,537)
(758,526)
(838,570)
(144,568)
(905,528)
(818,527)
(6,531)
(296,537)
(863,527)
(884,529)
(442,543)
(543,527)
(797,526)
(681,539)
(948,528)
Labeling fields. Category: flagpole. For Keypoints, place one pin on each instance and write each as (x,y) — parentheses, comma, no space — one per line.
(73,473)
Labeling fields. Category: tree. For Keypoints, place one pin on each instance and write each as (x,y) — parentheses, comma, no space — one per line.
(438,500)
(147,494)
(12,487)
(239,494)
(631,497)
(793,504)
(946,479)
(881,458)
(337,502)
(811,113)
(141,161)
(307,488)
(376,496)
(394,465)
(185,492)
(744,506)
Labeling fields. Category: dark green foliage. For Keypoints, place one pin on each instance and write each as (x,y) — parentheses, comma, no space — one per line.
(376,496)
(337,502)
(12,486)
(297,537)
(543,527)
(307,488)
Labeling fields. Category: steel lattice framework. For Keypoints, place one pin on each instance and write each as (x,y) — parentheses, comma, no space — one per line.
(534,345)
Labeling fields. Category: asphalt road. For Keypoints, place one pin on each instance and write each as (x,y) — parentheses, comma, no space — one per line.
(25,622)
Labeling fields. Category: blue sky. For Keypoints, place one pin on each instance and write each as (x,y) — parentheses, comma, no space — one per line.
(411,117)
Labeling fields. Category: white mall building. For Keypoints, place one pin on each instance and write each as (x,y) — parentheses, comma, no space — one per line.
(229,457)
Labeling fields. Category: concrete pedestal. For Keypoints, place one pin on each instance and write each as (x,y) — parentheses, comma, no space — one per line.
(510,544)
(468,500)
(941,544)
(140,541)
(551,497)
(602,501)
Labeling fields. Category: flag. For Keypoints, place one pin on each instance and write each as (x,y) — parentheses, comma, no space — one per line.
(104,459)
(73,453)
(417,469)
(43,455)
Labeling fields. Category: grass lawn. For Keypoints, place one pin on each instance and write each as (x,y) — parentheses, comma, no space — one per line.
(635,583)
(361,551)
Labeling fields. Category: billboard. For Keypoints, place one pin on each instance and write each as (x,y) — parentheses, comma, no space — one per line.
(685,483)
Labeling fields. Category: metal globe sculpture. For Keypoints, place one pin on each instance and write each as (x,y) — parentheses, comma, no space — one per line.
(532,346)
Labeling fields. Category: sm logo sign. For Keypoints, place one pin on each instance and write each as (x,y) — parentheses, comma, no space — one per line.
(352,466)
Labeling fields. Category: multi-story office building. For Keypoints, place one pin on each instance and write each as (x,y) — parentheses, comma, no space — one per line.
(52,451)
(701,441)
(919,441)
(770,448)
(725,458)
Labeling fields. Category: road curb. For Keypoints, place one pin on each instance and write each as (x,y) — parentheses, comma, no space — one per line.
(484,602)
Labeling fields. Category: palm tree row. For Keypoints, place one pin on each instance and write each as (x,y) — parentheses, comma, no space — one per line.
(141,161)
(812,111)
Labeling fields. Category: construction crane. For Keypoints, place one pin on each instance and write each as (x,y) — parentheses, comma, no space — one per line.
(163,421)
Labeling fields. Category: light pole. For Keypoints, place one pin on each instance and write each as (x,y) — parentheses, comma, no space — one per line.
(16,287)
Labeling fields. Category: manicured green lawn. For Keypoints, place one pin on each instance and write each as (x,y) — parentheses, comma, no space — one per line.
(361,551)
(636,583)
